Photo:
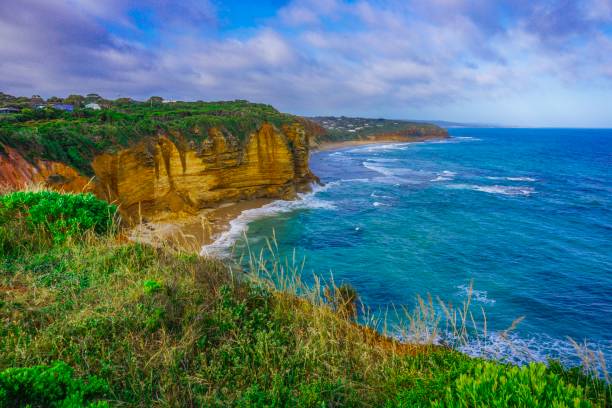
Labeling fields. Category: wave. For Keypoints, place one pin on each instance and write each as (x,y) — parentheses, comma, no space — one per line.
(446,175)
(398,173)
(530,179)
(496,189)
(379,204)
(385,171)
(452,139)
(220,247)
(510,347)
(516,349)
(382,160)
(380,147)
(355,180)
(466,138)
(374,195)
(477,295)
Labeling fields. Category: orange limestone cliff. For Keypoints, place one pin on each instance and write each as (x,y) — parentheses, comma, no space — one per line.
(159,178)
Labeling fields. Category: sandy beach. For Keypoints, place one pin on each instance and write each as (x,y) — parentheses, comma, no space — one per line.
(191,233)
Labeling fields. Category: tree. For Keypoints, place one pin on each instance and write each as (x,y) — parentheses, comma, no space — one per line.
(36,100)
(154,100)
(123,101)
(92,97)
(55,99)
(76,100)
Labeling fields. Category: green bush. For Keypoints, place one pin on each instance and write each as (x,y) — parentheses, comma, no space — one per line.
(49,386)
(61,215)
(151,286)
(491,384)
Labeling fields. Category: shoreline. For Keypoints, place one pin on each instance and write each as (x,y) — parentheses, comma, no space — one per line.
(327,146)
(193,233)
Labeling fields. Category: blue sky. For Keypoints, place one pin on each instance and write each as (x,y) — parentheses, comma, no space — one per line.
(520,62)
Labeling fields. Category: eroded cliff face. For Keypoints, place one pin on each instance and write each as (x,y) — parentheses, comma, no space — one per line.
(16,173)
(158,179)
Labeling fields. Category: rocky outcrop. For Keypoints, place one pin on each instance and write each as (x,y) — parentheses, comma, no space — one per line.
(16,172)
(160,177)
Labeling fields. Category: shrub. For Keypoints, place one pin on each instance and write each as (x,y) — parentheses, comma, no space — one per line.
(151,286)
(49,386)
(61,215)
(496,385)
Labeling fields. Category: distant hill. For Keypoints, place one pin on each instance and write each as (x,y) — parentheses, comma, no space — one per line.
(347,128)
(447,124)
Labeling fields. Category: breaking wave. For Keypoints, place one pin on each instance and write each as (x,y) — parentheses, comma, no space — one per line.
(530,179)
(221,246)
(496,189)
(446,175)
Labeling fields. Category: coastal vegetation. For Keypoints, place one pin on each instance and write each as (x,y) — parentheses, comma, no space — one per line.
(345,128)
(92,319)
(76,137)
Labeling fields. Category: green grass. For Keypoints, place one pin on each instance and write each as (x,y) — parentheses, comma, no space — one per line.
(126,324)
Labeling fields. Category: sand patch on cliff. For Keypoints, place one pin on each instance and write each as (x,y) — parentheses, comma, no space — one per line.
(192,232)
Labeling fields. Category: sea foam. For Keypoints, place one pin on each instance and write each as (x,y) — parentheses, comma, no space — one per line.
(220,247)
(530,179)
(446,175)
(496,189)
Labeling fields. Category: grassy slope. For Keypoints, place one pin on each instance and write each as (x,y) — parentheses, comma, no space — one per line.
(166,328)
(75,138)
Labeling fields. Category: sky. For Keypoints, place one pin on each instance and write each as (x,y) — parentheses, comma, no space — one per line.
(506,62)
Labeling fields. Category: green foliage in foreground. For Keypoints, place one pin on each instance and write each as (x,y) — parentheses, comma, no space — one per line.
(54,386)
(494,385)
(61,215)
(140,326)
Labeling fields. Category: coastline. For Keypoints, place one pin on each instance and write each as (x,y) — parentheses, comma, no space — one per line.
(209,226)
(327,146)
(194,232)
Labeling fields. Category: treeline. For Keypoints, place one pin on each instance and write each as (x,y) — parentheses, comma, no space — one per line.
(78,101)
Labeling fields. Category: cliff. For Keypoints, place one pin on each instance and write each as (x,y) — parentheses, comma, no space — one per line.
(158,177)
(166,175)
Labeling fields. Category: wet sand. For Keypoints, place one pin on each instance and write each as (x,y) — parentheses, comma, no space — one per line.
(191,233)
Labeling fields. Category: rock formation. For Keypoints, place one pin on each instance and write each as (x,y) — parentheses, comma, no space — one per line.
(163,176)
(160,177)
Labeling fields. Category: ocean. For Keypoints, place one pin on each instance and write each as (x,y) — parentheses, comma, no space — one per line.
(524,215)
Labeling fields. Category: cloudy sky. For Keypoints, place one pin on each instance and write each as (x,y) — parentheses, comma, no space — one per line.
(515,62)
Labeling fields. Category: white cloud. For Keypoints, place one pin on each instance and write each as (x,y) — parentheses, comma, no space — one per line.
(315,56)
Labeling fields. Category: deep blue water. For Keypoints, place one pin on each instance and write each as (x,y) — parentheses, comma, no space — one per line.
(524,213)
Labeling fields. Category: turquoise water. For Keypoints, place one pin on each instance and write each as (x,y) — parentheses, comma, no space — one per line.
(525,214)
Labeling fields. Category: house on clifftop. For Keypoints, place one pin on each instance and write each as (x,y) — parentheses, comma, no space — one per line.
(6,111)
